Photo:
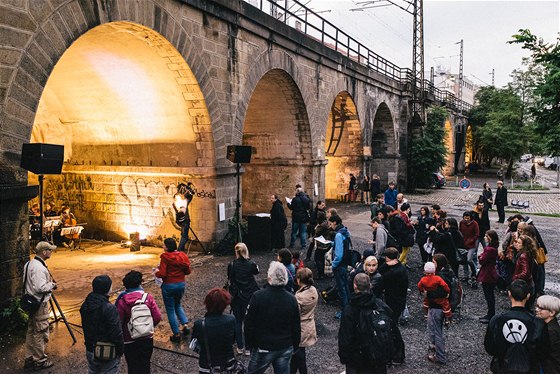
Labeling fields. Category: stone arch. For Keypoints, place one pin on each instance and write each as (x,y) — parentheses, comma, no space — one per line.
(58,29)
(343,145)
(384,151)
(277,126)
(449,141)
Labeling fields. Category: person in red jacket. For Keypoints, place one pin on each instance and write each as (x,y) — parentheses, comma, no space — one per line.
(488,275)
(470,231)
(137,352)
(173,267)
(430,282)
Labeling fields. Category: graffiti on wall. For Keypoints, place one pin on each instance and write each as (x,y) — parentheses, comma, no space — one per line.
(69,189)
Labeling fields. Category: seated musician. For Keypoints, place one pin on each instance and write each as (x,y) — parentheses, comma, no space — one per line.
(34,214)
(68,219)
(50,210)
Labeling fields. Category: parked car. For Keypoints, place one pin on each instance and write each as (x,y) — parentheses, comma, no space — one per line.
(526,157)
(539,160)
(438,180)
(551,162)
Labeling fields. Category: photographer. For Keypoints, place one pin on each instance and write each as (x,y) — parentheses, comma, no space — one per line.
(183,198)
(39,284)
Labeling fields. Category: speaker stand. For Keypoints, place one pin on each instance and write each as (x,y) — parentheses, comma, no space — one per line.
(238,237)
(41,181)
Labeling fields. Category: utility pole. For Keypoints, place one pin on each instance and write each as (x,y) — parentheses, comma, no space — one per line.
(417,12)
(460,91)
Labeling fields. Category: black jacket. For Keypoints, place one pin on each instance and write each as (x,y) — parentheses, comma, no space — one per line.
(241,275)
(447,242)
(299,207)
(220,333)
(278,218)
(348,333)
(272,321)
(501,198)
(536,341)
(395,281)
(100,321)
(375,187)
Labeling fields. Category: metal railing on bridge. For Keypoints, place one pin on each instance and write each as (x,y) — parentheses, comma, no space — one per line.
(316,27)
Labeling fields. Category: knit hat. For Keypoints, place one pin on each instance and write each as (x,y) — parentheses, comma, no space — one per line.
(102,284)
(429,268)
(44,246)
(367,253)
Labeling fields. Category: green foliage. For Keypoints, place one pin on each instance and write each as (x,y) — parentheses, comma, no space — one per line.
(13,318)
(497,123)
(546,107)
(428,152)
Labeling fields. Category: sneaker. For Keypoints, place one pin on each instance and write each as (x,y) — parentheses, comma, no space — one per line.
(484,320)
(43,365)
(185,331)
(175,338)
(65,244)
(247,352)
(28,363)
(338,316)
(240,351)
(432,358)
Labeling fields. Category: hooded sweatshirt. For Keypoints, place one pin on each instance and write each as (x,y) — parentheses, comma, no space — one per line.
(100,322)
(342,234)
(124,304)
(470,232)
(173,267)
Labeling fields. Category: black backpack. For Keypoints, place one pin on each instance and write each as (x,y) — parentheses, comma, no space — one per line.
(455,294)
(377,343)
(349,256)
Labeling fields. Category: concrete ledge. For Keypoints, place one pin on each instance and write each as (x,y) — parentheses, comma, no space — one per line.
(18,192)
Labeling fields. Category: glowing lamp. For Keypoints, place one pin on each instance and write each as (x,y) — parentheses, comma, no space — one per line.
(134,241)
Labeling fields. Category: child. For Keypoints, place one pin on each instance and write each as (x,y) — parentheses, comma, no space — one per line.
(430,282)
(438,312)
(297,262)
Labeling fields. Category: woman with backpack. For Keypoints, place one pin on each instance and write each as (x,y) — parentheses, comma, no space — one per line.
(242,284)
(173,267)
(215,334)
(137,349)
(488,275)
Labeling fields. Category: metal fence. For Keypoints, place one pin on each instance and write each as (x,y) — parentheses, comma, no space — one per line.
(303,19)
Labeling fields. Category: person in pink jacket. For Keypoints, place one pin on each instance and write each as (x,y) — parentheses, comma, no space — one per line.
(137,352)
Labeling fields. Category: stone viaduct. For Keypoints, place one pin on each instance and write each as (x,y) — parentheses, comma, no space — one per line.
(146,94)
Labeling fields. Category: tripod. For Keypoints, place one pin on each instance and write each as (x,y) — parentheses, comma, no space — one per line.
(190,241)
(238,234)
(61,317)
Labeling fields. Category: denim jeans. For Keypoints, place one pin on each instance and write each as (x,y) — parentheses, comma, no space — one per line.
(471,258)
(435,333)
(172,294)
(102,367)
(261,360)
(341,280)
(300,227)
(184,237)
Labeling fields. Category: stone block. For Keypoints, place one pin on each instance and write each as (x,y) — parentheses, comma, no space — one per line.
(14,38)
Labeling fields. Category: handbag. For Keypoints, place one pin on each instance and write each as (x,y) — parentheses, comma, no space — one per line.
(429,247)
(234,366)
(540,256)
(104,351)
(460,253)
(29,303)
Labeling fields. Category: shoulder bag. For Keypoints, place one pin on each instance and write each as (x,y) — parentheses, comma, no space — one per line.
(29,303)
(234,366)
(460,253)
(540,256)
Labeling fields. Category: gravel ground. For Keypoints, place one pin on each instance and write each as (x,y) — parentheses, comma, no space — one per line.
(464,339)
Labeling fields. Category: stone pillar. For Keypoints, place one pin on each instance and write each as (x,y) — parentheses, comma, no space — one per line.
(14,237)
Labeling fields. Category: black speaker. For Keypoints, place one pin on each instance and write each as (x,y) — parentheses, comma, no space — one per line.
(239,153)
(41,158)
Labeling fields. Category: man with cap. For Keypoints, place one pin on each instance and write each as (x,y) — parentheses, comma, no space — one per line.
(39,284)
(101,323)
(501,201)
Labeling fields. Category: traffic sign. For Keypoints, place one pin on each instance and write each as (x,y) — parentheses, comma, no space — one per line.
(465,184)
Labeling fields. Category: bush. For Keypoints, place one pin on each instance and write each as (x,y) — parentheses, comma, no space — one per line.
(12,318)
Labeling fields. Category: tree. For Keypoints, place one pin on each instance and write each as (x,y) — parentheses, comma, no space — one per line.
(428,152)
(546,108)
(498,129)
